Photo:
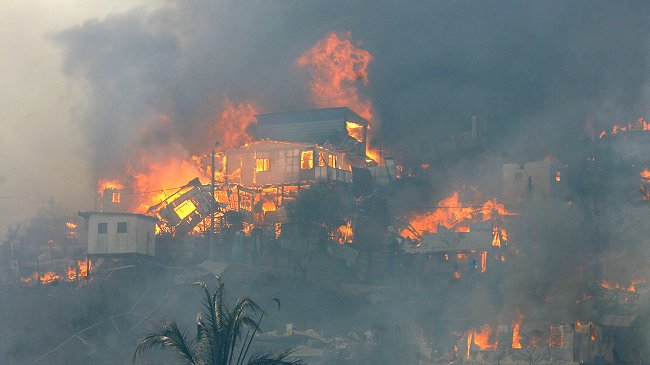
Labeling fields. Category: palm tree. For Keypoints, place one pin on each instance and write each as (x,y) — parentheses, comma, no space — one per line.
(218,338)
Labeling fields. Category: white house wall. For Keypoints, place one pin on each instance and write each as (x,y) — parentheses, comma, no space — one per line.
(139,236)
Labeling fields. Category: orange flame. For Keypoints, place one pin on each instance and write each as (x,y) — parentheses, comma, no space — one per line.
(49,277)
(640,125)
(72,274)
(470,334)
(344,234)
(232,124)
(157,179)
(483,261)
(268,206)
(112,184)
(155,173)
(645,174)
(80,271)
(629,288)
(482,338)
(451,213)
(516,336)
(336,65)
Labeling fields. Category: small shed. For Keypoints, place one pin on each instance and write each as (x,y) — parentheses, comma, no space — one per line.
(112,233)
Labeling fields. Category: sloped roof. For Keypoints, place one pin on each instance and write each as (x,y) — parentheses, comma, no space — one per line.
(310,115)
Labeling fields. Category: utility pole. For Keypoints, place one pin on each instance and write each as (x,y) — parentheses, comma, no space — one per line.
(211,248)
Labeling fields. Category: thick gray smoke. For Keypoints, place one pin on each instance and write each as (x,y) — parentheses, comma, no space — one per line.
(533,71)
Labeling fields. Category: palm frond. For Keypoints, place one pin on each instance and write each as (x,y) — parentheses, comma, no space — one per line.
(211,344)
(237,320)
(168,335)
(219,330)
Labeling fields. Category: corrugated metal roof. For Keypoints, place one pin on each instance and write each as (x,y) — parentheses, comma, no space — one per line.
(311,115)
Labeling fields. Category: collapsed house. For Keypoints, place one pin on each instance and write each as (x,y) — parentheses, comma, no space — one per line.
(455,253)
(184,210)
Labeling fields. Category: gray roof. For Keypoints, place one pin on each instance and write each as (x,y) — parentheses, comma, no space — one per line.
(310,115)
(143,216)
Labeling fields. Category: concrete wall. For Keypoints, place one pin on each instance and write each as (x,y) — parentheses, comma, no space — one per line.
(536,181)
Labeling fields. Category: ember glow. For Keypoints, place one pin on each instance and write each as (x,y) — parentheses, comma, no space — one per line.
(645,175)
(106,184)
(484,337)
(617,286)
(344,234)
(516,335)
(230,128)
(640,125)
(499,236)
(78,270)
(453,214)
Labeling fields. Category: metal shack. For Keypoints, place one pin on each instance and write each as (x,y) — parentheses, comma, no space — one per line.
(111,233)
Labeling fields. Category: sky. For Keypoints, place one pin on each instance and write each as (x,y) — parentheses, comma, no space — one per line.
(43,154)
(88,84)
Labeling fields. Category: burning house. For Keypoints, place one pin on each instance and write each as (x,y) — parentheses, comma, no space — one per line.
(533,343)
(292,151)
(462,237)
(339,132)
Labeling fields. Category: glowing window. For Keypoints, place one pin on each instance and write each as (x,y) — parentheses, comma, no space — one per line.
(262,164)
(121,227)
(306,160)
(184,209)
(331,161)
(557,339)
(557,176)
(116,197)
(322,157)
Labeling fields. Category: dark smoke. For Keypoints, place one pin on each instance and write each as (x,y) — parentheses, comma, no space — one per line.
(534,72)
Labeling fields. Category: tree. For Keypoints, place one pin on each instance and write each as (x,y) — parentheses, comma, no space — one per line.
(218,339)
(321,209)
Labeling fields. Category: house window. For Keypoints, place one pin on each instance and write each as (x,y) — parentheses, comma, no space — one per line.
(121,227)
(116,197)
(102,228)
(262,164)
(558,177)
(331,161)
(322,157)
(307,160)
(184,209)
